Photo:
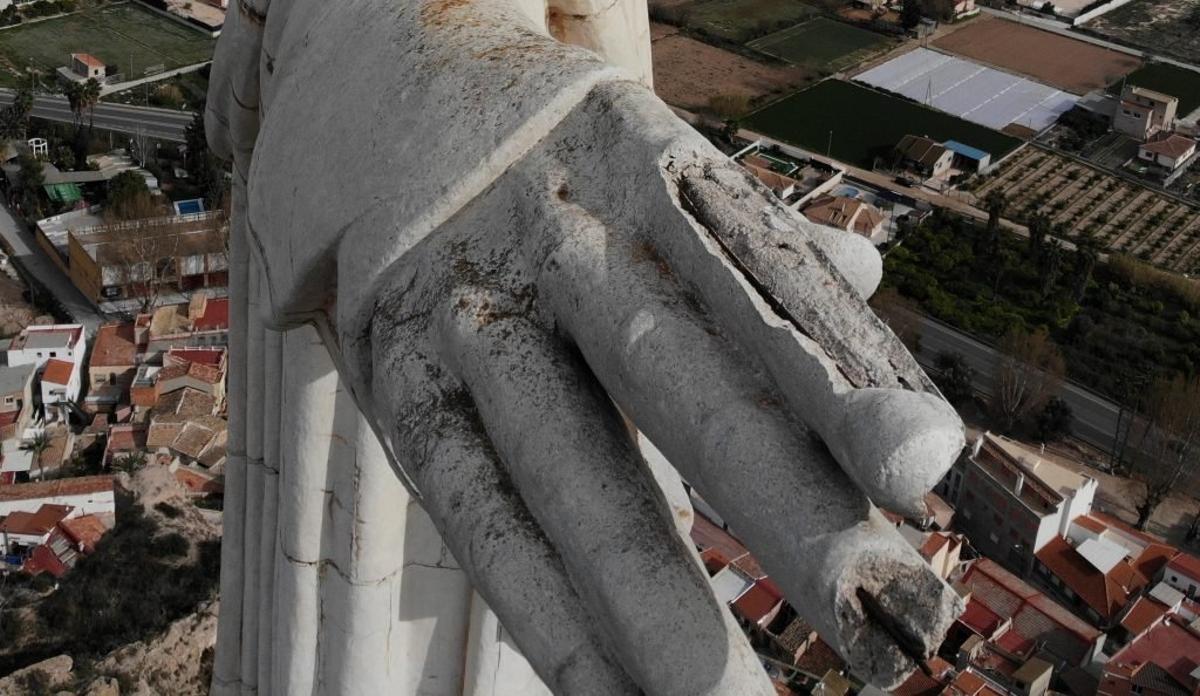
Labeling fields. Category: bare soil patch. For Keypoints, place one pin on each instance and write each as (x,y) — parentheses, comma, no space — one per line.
(688,73)
(1070,65)
(1159,25)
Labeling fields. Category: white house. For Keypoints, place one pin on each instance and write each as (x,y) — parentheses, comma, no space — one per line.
(37,344)
(61,382)
(92,495)
(22,530)
(1170,151)
(1183,573)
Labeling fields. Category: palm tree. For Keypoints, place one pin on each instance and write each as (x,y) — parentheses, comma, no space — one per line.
(89,97)
(38,445)
(74,92)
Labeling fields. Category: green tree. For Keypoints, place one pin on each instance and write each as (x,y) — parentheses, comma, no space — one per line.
(1170,441)
(1039,229)
(1050,267)
(1055,420)
(988,244)
(32,181)
(1087,253)
(14,120)
(129,198)
(37,446)
(130,463)
(955,378)
(910,13)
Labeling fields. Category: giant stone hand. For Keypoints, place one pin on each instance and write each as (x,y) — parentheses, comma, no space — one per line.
(515,250)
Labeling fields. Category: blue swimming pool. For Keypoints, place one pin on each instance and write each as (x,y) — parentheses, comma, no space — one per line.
(190,207)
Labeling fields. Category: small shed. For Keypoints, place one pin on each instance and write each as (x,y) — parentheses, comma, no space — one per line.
(967,158)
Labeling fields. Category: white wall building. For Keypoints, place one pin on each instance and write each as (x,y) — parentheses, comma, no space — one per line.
(37,344)
(1183,573)
(60,384)
(92,495)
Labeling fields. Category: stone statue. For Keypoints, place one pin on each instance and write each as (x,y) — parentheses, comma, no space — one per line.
(482,277)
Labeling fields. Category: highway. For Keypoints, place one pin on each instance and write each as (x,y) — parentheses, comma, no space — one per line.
(1095,416)
(163,124)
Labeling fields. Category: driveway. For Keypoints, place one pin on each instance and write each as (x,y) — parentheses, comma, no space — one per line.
(36,267)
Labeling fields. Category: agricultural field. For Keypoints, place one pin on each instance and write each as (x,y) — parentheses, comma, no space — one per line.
(741,21)
(1166,78)
(1121,215)
(822,44)
(1074,66)
(691,75)
(116,34)
(844,119)
(1163,26)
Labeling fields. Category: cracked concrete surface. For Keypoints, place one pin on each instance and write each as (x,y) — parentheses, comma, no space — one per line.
(505,253)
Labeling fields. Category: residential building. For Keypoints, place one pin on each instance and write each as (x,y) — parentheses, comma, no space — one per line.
(967,158)
(1099,566)
(60,385)
(1183,573)
(1023,622)
(1143,112)
(1167,152)
(20,531)
(71,539)
(114,362)
(1163,659)
(849,214)
(794,179)
(202,322)
(37,344)
(1011,502)
(139,259)
(92,495)
(88,67)
(923,157)
(16,400)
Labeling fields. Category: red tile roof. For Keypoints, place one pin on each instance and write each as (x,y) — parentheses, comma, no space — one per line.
(216,315)
(980,619)
(88,60)
(1169,645)
(920,684)
(1091,523)
(967,683)
(1186,563)
(85,530)
(1142,615)
(1106,593)
(1035,617)
(58,371)
(206,356)
(114,346)
(35,523)
(81,485)
(758,604)
(1171,145)
(706,535)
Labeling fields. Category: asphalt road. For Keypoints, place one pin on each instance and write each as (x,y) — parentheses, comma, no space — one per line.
(1095,416)
(33,264)
(163,124)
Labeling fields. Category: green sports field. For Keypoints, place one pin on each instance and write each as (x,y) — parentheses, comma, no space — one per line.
(863,124)
(822,43)
(116,34)
(1168,79)
(739,21)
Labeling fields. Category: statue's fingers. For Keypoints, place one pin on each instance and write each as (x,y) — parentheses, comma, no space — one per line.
(770,285)
(696,394)
(491,534)
(574,464)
